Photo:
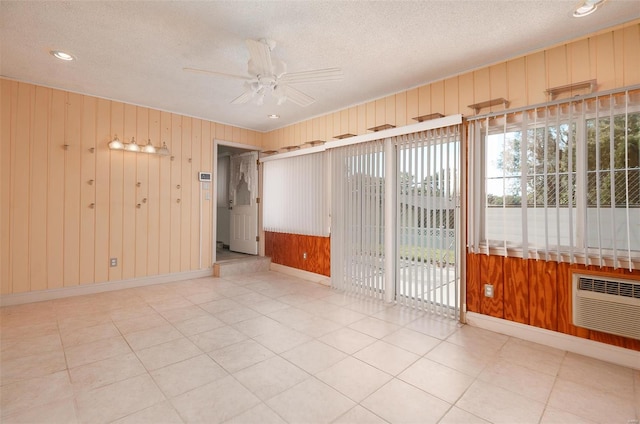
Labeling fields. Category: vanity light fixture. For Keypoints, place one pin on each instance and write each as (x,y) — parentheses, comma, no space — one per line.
(149,148)
(59,54)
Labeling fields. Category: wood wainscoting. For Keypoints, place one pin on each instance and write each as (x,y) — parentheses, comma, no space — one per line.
(289,249)
(533,292)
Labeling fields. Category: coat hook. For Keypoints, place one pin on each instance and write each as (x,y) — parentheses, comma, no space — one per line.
(178,186)
(90,182)
(178,201)
(65,146)
(138,206)
(92,205)
(92,149)
(138,184)
(144,200)
(173,158)
(189,160)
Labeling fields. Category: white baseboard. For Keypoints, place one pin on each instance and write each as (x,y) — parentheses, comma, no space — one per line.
(305,275)
(605,352)
(42,295)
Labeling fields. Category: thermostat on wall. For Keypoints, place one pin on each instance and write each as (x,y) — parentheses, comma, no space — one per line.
(204,176)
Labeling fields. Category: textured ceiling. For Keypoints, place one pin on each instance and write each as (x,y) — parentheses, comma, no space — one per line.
(134,51)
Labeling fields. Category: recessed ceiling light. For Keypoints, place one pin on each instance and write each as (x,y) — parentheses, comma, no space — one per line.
(58,54)
(587,7)
(273,116)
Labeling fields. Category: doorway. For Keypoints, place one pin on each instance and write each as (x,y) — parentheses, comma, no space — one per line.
(236,192)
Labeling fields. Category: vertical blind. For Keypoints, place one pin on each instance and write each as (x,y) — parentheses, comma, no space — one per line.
(294,195)
(559,182)
(357,211)
(428,220)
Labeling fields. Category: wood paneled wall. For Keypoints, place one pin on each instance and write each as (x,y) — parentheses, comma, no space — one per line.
(532,292)
(612,57)
(65,211)
(288,249)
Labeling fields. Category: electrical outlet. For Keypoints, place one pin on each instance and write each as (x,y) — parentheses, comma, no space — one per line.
(488,290)
(113,262)
(304,255)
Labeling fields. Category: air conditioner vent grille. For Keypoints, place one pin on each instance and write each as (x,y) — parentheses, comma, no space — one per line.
(616,288)
(606,303)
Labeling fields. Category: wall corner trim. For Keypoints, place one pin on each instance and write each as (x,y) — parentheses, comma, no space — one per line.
(300,273)
(43,295)
(594,349)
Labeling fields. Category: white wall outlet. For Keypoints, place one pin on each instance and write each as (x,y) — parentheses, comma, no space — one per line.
(304,255)
(488,290)
(113,262)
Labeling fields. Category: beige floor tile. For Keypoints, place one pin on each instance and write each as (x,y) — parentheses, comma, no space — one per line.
(268,306)
(204,297)
(310,402)
(160,413)
(343,316)
(178,378)
(240,355)
(374,327)
(183,313)
(27,331)
(270,377)
(399,315)
(314,356)
(153,336)
(282,339)
(437,380)
(17,398)
(172,302)
(215,402)
(117,400)
(598,374)
(256,326)
(289,316)
(131,312)
(399,402)
(31,366)
(412,341)
(359,415)
(498,405)
(591,403)
(144,322)
(354,378)
(235,315)
(347,340)
(251,298)
(220,305)
(556,416)
(217,338)
(168,353)
(532,355)
(386,357)
(198,325)
(367,306)
(316,326)
(523,381)
(483,342)
(58,412)
(320,307)
(459,358)
(261,414)
(96,351)
(458,416)
(437,327)
(88,334)
(106,371)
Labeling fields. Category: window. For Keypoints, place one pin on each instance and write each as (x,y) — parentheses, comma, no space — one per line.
(294,195)
(560,181)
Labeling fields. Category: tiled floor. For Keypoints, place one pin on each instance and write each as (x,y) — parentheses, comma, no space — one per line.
(269,348)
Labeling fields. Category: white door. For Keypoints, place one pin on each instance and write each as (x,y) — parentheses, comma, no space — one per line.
(243,191)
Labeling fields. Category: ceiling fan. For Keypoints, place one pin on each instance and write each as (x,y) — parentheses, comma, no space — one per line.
(268,74)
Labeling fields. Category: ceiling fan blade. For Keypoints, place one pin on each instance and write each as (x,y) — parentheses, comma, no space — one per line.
(243,98)
(260,54)
(318,75)
(297,96)
(217,74)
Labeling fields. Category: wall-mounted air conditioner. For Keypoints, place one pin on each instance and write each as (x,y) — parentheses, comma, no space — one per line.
(606,303)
